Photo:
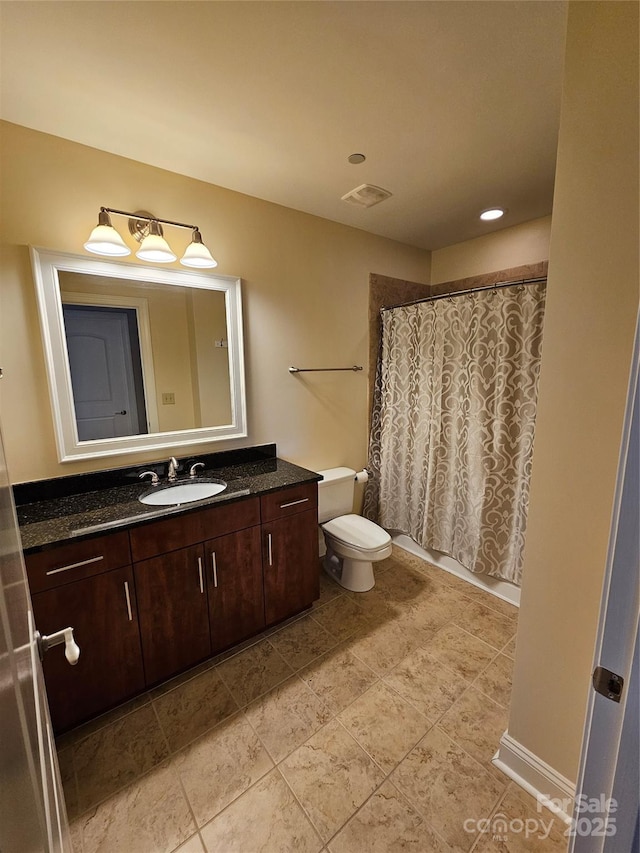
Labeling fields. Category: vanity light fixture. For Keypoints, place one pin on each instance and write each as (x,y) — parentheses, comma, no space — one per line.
(105,240)
(147,230)
(492,213)
(154,247)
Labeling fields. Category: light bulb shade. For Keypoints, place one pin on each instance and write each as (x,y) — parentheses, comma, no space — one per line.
(154,247)
(105,240)
(197,255)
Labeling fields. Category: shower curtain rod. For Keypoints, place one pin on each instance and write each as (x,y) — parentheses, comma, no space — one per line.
(497,285)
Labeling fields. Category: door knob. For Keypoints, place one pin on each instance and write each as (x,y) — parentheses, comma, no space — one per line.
(123,412)
(71,648)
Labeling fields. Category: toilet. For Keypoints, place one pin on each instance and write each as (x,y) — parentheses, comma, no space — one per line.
(350,544)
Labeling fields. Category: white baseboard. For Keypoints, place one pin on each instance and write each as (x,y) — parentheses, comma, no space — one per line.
(537,777)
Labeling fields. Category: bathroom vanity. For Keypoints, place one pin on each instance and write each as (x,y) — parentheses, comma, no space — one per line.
(151,592)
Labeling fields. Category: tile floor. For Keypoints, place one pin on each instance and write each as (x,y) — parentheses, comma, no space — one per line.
(367,724)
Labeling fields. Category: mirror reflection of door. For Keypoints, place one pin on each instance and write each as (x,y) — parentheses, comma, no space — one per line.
(106,371)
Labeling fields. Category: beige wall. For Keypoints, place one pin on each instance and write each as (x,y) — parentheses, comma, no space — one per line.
(592,302)
(305,294)
(527,243)
(211,369)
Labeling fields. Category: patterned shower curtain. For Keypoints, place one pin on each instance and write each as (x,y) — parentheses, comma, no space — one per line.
(453,424)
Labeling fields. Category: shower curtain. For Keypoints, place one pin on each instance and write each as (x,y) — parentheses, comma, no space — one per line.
(453,424)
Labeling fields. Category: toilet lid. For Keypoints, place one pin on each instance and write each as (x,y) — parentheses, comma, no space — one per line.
(357,531)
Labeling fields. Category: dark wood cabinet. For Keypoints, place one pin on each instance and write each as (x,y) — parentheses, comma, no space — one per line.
(179,531)
(200,582)
(102,610)
(290,561)
(199,599)
(173,612)
(236,600)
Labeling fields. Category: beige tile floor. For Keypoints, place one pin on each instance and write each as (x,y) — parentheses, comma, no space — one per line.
(367,724)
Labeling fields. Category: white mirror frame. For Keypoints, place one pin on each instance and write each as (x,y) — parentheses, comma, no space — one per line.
(46,265)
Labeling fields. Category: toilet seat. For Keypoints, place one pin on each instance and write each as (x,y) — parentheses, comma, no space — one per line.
(357,532)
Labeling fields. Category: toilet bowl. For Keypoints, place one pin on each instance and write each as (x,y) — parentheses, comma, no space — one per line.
(353,544)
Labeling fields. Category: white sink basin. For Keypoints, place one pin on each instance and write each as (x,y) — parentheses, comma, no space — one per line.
(182,493)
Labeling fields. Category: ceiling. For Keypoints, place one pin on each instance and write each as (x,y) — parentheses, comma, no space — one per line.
(455,104)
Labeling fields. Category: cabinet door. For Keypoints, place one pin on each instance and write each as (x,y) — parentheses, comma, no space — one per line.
(173,612)
(102,612)
(290,562)
(236,601)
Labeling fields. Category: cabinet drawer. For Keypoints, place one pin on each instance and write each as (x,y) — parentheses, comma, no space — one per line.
(289,501)
(181,531)
(66,563)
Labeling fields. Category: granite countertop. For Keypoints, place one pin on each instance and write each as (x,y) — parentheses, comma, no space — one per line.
(59,519)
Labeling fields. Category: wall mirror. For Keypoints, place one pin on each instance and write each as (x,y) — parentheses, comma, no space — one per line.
(139,358)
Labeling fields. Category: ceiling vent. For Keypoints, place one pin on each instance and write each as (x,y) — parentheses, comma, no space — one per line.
(366,195)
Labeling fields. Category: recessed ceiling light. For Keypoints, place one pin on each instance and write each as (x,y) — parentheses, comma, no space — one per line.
(356,158)
(492,213)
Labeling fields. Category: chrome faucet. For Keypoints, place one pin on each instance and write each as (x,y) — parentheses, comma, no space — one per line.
(154,477)
(173,469)
(194,468)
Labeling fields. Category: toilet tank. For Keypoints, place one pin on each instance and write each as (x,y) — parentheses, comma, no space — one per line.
(335,493)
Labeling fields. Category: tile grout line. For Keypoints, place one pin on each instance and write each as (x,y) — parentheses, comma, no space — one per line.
(75,734)
(275,768)
(402,796)
(175,751)
(134,781)
(492,809)
(387,778)
(264,692)
(363,747)
(334,715)
(301,806)
(171,754)
(277,762)
(326,843)
(237,713)
(501,653)
(242,711)
(376,676)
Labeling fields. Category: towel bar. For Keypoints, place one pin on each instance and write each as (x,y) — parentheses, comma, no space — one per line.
(321,369)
